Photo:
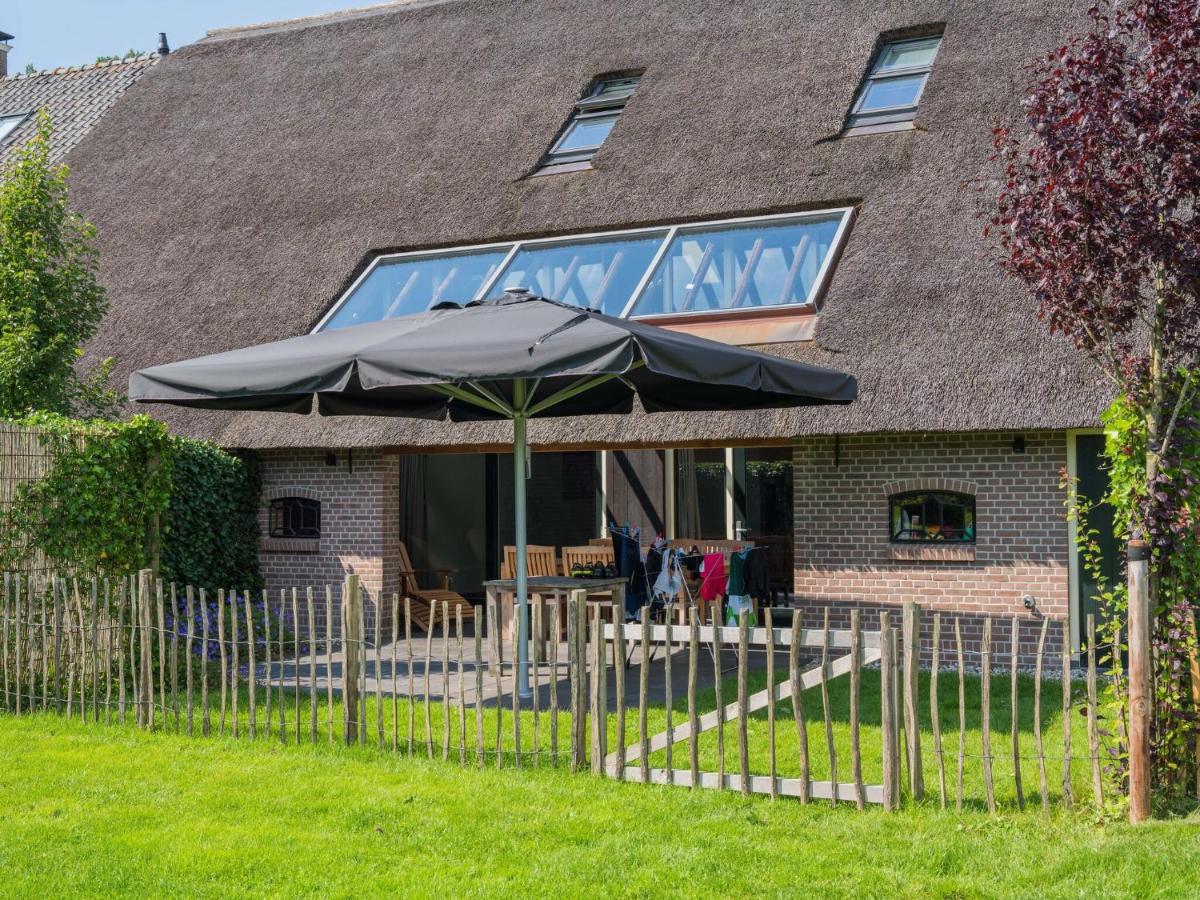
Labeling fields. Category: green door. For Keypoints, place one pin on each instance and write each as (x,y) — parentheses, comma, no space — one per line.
(1092,473)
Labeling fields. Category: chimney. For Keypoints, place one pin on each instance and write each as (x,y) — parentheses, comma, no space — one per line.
(5,46)
(163,47)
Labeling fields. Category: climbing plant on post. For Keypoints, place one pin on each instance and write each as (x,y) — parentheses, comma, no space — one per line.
(1097,215)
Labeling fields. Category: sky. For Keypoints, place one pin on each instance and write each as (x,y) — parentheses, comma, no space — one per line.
(52,33)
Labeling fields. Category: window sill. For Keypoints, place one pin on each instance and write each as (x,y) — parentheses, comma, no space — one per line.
(879,128)
(290,545)
(744,328)
(932,552)
(561,168)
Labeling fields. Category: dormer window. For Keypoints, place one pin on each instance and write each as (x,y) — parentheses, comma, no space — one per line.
(594,116)
(9,124)
(890,92)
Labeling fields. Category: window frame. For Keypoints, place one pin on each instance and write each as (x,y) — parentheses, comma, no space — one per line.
(969,505)
(899,113)
(18,120)
(845,216)
(279,503)
(593,105)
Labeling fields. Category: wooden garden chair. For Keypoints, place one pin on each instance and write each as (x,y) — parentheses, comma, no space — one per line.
(421,599)
(540,561)
(585,555)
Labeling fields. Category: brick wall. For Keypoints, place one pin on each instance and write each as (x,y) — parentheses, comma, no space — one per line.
(844,557)
(359,498)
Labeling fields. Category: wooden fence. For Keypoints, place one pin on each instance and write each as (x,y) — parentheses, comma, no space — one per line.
(260,668)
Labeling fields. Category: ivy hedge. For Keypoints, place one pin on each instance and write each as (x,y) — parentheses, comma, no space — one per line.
(117,495)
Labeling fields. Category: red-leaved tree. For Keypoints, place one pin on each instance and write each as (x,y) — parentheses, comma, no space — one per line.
(1098,216)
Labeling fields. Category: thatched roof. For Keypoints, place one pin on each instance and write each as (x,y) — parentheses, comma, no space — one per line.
(240,190)
(75,96)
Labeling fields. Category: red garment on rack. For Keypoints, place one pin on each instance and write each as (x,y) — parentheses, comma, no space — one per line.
(712,579)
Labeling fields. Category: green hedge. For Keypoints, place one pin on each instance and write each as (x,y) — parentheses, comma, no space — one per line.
(106,487)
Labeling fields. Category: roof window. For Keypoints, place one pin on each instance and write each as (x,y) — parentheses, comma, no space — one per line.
(590,123)
(888,97)
(9,123)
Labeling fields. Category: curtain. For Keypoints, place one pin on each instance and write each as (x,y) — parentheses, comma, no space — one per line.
(687,495)
(414,530)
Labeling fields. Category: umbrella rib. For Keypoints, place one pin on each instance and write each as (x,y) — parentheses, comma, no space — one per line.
(456,393)
(584,384)
(492,396)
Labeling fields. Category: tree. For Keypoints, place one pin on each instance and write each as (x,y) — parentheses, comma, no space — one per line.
(50,298)
(1098,217)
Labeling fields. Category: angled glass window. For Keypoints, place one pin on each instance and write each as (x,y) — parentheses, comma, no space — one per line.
(747,266)
(892,89)
(9,124)
(599,273)
(295,517)
(594,117)
(411,284)
(731,266)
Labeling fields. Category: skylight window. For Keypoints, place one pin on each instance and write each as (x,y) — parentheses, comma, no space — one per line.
(594,117)
(727,267)
(892,89)
(9,123)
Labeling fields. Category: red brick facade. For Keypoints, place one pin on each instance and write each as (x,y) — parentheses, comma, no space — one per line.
(844,556)
(359,495)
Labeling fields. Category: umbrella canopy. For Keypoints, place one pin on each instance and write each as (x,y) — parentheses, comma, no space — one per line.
(515,358)
(467,363)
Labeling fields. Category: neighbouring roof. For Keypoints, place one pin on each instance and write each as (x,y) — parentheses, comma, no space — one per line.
(240,190)
(76,97)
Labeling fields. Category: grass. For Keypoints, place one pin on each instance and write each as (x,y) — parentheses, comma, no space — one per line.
(104,810)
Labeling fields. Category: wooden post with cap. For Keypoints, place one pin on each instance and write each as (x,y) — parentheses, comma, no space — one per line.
(1139,680)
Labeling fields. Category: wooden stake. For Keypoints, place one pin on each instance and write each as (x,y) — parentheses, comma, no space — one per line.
(602,694)
(361,634)
(888,729)
(205,717)
(618,623)
(1015,704)
(191,614)
(94,618)
(313,701)
(221,653)
(860,791)
(497,661)
(231,597)
(329,656)
(962,715)
(912,708)
(830,749)
(428,660)
(668,697)
(1140,677)
(395,676)
(1093,725)
(716,646)
(1037,716)
(772,763)
(162,649)
(411,676)
(268,662)
(643,698)
(174,650)
(283,730)
(985,722)
(535,642)
(693,718)
(462,694)
(57,632)
(378,675)
(934,711)
(445,681)
(296,661)
(743,660)
(1067,791)
(479,664)
(352,642)
(798,707)
(251,670)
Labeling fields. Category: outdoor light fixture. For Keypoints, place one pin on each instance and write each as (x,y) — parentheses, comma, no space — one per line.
(331,459)
(1019,444)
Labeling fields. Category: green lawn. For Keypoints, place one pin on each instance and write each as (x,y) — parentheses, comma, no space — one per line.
(110,810)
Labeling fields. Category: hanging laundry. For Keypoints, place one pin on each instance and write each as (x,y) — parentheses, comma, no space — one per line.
(712,576)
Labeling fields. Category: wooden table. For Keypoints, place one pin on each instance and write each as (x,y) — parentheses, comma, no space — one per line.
(541,589)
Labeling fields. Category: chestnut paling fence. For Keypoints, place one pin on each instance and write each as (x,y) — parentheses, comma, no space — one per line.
(640,702)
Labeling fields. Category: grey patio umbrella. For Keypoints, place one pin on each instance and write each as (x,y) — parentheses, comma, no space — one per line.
(515,358)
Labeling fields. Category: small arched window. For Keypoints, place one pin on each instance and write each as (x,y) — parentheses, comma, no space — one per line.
(932,516)
(295,517)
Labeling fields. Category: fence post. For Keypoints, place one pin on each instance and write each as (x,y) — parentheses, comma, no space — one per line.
(146,688)
(912,715)
(1139,681)
(351,648)
(887,702)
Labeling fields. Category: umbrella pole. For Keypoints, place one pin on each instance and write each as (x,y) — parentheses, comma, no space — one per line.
(520,468)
